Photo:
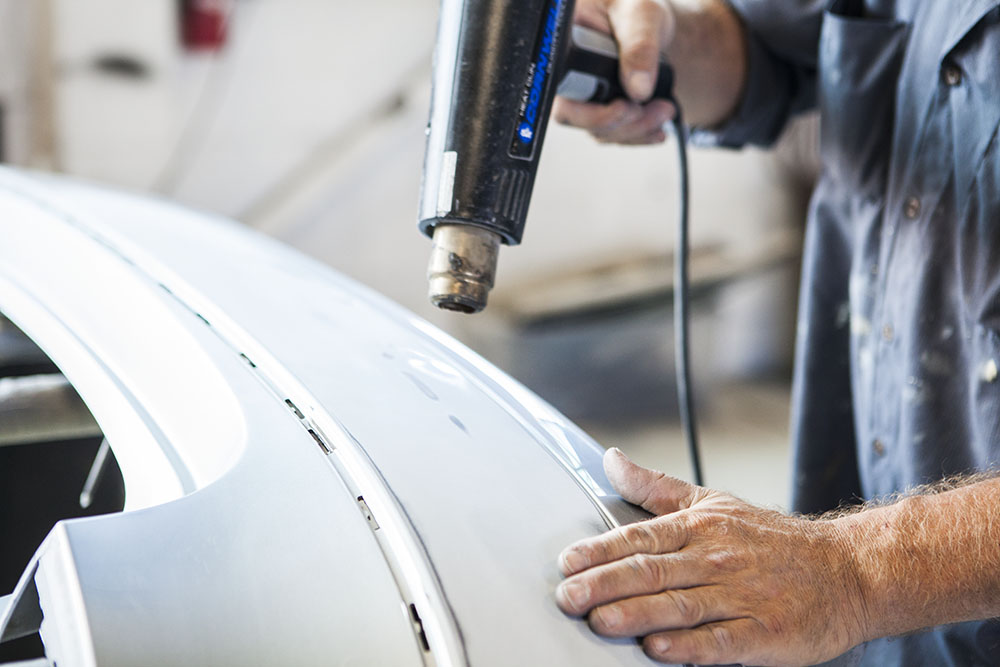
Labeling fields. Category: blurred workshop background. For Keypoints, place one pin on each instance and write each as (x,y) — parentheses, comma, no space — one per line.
(304,119)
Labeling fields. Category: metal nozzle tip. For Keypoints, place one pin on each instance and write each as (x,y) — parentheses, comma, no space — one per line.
(462,267)
(457,305)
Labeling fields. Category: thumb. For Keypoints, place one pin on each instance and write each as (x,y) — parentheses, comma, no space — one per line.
(641,29)
(653,491)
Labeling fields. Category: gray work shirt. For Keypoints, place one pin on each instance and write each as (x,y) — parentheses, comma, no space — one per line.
(897,378)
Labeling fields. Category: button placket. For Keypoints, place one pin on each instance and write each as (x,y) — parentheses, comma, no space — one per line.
(908,200)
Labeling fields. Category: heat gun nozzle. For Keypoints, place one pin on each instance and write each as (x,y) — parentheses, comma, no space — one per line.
(463,267)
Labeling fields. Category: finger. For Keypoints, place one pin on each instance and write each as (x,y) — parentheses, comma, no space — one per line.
(595,117)
(718,643)
(669,610)
(640,28)
(656,536)
(651,122)
(642,574)
(651,490)
(592,15)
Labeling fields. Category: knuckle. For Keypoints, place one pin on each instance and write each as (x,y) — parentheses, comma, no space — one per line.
(594,553)
(623,546)
(774,625)
(647,568)
(700,522)
(613,548)
(642,536)
(723,640)
(688,609)
(726,560)
(711,523)
(684,532)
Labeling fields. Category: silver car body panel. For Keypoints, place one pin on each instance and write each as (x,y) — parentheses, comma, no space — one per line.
(313,475)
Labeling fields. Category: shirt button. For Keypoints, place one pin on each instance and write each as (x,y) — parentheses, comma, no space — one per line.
(878,447)
(989,371)
(888,333)
(952,75)
(911,209)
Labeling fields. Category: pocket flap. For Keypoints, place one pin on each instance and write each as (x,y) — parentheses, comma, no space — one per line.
(974,12)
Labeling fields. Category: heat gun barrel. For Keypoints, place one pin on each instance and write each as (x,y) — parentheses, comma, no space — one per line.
(498,65)
(494,84)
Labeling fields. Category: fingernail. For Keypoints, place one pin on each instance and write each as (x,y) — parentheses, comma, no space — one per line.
(660,645)
(611,617)
(573,561)
(576,594)
(640,86)
(618,453)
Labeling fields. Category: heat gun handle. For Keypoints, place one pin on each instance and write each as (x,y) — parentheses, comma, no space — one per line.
(592,67)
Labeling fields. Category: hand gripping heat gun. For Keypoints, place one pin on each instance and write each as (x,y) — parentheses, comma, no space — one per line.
(498,66)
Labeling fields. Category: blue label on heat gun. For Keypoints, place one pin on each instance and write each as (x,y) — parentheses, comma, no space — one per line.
(538,78)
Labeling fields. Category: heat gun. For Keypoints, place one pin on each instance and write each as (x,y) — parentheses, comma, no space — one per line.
(498,66)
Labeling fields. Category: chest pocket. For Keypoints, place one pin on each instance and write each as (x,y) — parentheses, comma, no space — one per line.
(859,64)
(971,76)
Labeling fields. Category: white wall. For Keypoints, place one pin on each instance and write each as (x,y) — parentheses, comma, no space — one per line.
(18,32)
(292,130)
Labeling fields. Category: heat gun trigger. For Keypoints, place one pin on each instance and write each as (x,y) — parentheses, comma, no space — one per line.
(592,67)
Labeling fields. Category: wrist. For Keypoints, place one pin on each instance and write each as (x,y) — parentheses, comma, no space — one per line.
(854,580)
(878,545)
(708,51)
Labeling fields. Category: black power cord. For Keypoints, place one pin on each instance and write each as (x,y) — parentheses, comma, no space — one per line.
(682,308)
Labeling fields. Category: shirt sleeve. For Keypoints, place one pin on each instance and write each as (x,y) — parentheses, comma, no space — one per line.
(782,51)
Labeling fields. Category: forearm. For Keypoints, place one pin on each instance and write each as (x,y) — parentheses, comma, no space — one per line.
(709,55)
(927,560)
